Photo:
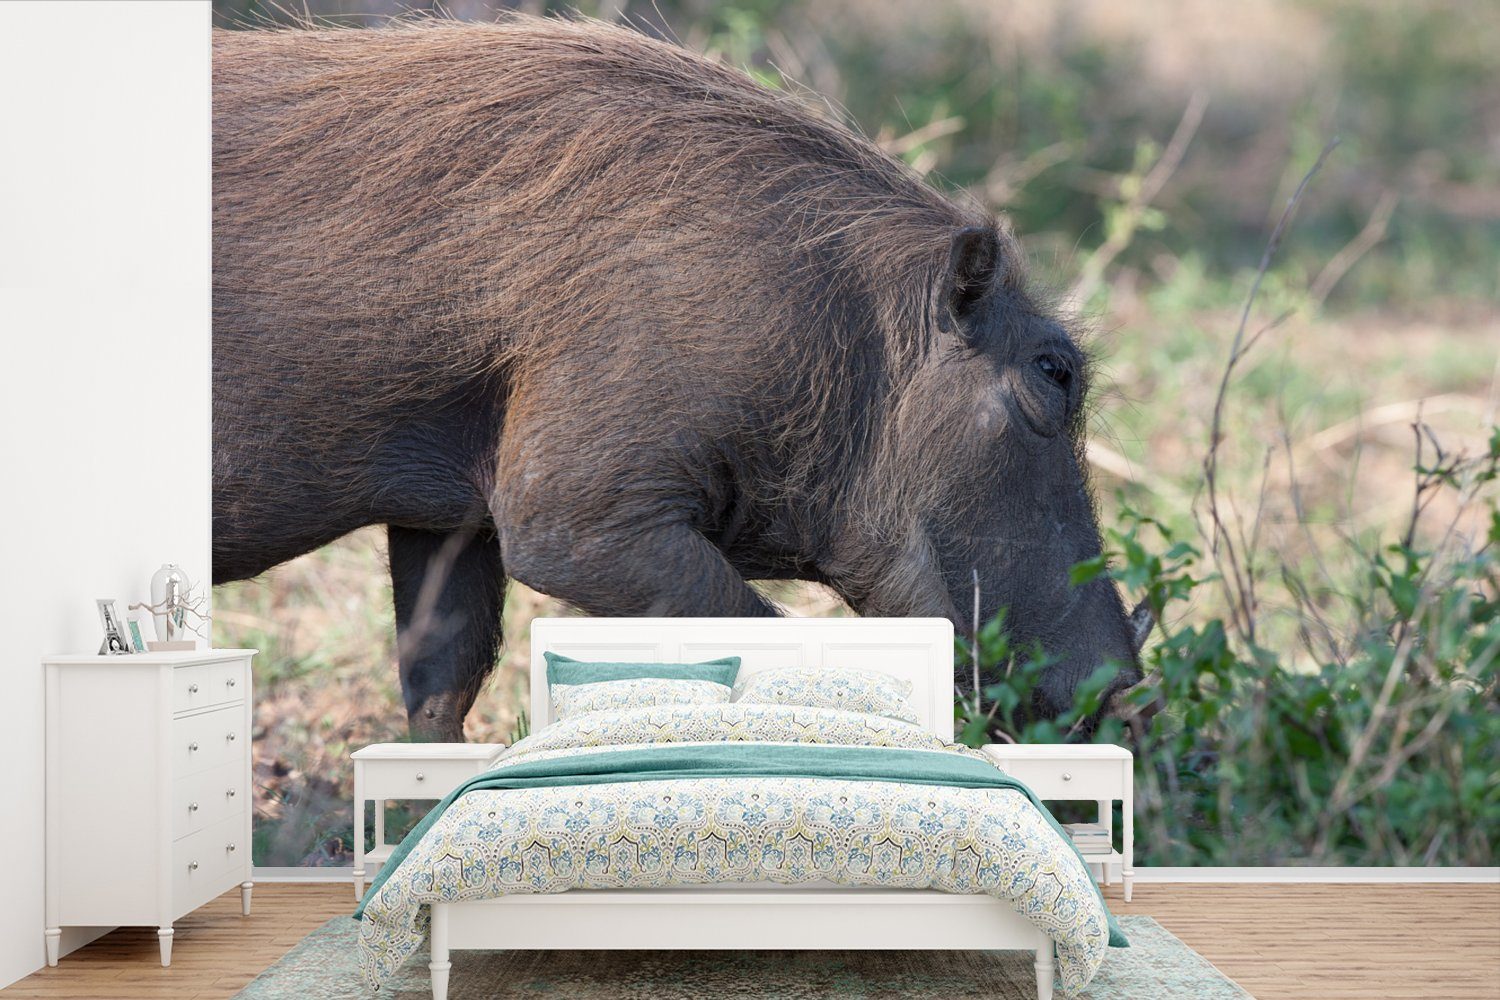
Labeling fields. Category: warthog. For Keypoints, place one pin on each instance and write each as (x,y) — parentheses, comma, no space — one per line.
(558,302)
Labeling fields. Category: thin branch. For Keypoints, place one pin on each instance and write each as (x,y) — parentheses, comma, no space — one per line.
(916,138)
(1134,209)
(974,648)
(1006,180)
(1220,543)
(1373,232)
(1390,413)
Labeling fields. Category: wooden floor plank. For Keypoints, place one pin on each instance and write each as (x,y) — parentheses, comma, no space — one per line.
(1280,942)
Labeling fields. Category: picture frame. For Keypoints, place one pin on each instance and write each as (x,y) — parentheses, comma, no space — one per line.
(140,628)
(116,640)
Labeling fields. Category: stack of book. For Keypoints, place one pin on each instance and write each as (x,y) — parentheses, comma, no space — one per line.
(1089,838)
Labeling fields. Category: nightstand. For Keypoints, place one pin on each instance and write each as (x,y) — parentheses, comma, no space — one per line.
(1097,773)
(406,771)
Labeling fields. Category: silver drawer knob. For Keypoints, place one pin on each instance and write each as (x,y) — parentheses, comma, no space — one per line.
(192,866)
(421,776)
(229,848)
(230,793)
(230,682)
(192,807)
(193,746)
(192,689)
(1067,776)
(230,737)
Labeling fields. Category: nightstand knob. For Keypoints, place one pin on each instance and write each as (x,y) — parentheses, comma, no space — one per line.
(1067,776)
(192,866)
(229,848)
(193,746)
(192,807)
(230,737)
(230,682)
(192,689)
(230,793)
(421,776)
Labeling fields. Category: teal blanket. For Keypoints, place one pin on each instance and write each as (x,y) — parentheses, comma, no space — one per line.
(739,760)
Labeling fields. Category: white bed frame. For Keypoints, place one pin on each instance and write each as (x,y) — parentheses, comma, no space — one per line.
(751,917)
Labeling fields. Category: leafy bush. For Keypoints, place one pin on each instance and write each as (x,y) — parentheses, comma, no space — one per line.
(1376,745)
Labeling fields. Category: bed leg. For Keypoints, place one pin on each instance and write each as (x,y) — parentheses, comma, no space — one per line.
(439,965)
(1045,968)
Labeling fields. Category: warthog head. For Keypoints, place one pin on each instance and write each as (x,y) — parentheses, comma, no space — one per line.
(981,482)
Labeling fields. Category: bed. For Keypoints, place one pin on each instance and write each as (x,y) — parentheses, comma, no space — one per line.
(741,826)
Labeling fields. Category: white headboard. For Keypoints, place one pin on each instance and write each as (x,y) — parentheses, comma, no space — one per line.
(917,649)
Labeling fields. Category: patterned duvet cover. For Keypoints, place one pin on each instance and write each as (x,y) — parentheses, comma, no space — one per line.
(677,795)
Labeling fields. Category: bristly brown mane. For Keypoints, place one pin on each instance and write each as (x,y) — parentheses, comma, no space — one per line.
(454,148)
(456,201)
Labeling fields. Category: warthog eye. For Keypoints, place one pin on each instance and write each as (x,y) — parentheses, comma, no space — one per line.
(1056,369)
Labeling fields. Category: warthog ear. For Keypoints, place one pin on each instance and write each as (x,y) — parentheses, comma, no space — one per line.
(973,258)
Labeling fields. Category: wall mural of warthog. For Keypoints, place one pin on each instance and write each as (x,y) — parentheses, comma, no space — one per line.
(558,302)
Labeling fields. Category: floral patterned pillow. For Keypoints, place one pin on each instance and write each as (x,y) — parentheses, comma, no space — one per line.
(569,700)
(868,691)
(577,686)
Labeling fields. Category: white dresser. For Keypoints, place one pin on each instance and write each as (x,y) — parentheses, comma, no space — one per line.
(148,788)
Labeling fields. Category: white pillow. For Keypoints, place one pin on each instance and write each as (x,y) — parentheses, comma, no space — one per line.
(569,700)
(868,691)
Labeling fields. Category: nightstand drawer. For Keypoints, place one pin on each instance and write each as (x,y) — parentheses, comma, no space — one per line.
(1069,779)
(423,779)
(206,684)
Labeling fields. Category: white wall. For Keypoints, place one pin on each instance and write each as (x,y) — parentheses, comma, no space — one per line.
(104,358)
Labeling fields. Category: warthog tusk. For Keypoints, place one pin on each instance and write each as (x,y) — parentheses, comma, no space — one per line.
(1136,716)
(1122,704)
(1142,621)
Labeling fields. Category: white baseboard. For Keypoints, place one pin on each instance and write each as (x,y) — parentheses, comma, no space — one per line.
(1312,875)
(296,874)
(1267,875)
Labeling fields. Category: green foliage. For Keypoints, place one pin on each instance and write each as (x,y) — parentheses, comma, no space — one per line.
(1380,749)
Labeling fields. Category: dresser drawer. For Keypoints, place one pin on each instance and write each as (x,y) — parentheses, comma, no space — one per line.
(203,799)
(201,742)
(417,780)
(205,684)
(208,862)
(1074,779)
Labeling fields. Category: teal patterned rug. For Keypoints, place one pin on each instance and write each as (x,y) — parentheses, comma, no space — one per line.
(1156,966)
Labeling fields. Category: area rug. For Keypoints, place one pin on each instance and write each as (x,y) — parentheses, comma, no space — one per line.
(1156,966)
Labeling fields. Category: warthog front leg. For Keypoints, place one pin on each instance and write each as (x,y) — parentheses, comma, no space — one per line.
(449,591)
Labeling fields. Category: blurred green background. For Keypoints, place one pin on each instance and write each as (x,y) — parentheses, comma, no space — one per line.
(1142,152)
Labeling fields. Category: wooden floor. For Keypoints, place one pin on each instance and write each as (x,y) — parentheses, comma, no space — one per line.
(1280,942)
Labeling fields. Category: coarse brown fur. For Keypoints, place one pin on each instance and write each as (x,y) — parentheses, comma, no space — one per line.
(558,301)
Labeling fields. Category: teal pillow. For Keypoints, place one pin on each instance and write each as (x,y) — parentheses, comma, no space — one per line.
(577,687)
(566,670)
